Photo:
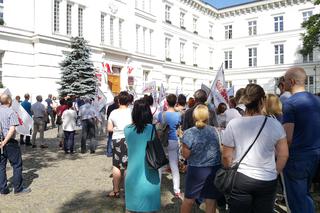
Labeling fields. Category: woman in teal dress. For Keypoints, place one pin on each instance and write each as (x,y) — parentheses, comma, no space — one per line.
(142,183)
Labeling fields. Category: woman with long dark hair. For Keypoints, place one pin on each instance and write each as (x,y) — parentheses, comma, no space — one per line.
(142,183)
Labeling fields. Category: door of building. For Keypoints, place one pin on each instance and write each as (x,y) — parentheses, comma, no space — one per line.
(114,83)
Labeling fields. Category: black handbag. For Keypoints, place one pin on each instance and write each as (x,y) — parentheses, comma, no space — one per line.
(225,177)
(155,155)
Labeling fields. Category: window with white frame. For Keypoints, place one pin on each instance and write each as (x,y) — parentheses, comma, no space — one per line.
(228,32)
(279,54)
(229,84)
(309,84)
(252,27)
(56,16)
(210,31)
(80,21)
(137,37)
(111,30)
(182,14)
(102,17)
(252,81)
(150,42)
(144,40)
(1,10)
(167,13)
(210,58)
(69,18)
(228,59)
(167,48)
(252,57)
(120,32)
(182,44)
(306,15)
(308,58)
(278,23)
(195,50)
(195,23)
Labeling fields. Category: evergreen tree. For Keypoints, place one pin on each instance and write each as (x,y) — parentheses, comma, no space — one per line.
(312,35)
(78,75)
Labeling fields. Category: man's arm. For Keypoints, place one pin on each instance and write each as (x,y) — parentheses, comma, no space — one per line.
(10,134)
(289,128)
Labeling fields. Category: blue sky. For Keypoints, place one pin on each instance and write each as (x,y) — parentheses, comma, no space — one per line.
(225,3)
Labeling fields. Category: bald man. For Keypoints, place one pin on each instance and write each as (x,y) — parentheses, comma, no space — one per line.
(10,149)
(301,121)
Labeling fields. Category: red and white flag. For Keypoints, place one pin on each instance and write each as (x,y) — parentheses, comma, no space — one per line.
(218,90)
(25,120)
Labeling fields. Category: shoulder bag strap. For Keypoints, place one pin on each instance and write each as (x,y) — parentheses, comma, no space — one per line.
(164,117)
(153,129)
(264,122)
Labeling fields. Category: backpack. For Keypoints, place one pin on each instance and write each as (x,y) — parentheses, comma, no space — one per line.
(163,130)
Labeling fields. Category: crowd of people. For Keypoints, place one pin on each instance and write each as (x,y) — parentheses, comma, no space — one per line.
(284,128)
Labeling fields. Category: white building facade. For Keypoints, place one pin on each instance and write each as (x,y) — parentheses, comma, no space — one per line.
(179,43)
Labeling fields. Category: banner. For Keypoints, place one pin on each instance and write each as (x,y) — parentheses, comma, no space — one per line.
(149,87)
(218,90)
(205,88)
(231,91)
(100,100)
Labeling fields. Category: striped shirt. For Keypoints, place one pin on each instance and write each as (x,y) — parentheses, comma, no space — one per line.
(87,111)
(38,110)
(8,118)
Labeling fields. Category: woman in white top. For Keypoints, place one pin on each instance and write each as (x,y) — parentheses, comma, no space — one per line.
(69,118)
(256,181)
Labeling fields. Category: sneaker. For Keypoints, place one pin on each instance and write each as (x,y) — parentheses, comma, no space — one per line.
(34,146)
(23,191)
(5,192)
(28,144)
(22,143)
(92,151)
(43,146)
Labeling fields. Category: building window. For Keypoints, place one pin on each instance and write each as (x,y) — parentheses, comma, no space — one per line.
(102,27)
(56,14)
(195,23)
(69,7)
(308,58)
(111,30)
(120,32)
(252,81)
(144,40)
(278,51)
(309,84)
(80,21)
(167,14)
(252,28)
(278,24)
(228,32)
(195,56)
(229,84)
(182,14)
(306,15)
(211,59)
(1,57)
(227,59)
(1,11)
(137,38)
(182,53)
(150,43)
(252,57)
(167,49)
(210,31)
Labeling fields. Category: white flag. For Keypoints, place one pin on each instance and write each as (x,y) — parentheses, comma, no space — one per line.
(218,89)
(25,120)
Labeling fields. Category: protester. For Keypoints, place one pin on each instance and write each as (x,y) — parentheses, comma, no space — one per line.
(256,181)
(142,183)
(221,117)
(172,118)
(27,107)
(301,121)
(118,120)
(11,150)
(88,115)
(202,150)
(154,109)
(181,104)
(112,107)
(18,99)
(69,118)
(238,110)
(39,113)
(191,102)
(60,109)
(284,95)
(273,107)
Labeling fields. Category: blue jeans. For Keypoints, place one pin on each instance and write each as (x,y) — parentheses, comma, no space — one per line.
(109,145)
(11,152)
(69,141)
(298,175)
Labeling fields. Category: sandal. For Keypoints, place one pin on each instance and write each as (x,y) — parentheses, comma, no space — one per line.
(114,194)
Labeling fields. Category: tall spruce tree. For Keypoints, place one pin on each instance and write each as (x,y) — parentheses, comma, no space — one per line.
(78,75)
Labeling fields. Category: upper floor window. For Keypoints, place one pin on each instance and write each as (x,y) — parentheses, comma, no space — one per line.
(278,23)
(210,59)
(195,49)
(210,31)
(1,10)
(167,14)
(306,15)
(102,17)
(195,23)
(182,53)
(56,16)
(228,32)
(120,32)
(252,27)
(278,54)
(308,58)
(228,59)
(309,84)
(1,1)
(80,21)
(150,41)
(167,49)
(111,30)
(252,81)
(182,14)
(144,39)
(69,20)
(137,37)
(252,57)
